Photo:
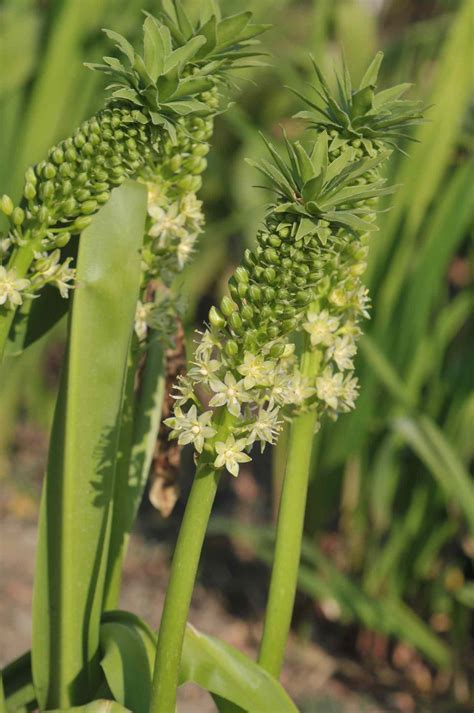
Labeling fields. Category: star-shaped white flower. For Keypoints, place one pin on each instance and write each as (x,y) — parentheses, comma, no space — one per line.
(191,428)
(11,288)
(329,387)
(166,224)
(230,393)
(230,454)
(185,390)
(255,370)
(204,370)
(342,352)
(265,428)
(206,345)
(321,327)
(299,389)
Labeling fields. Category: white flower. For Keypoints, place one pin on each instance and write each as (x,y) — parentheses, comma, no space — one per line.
(206,345)
(11,288)
(266,428)
(156,197)
(64,278)
(362,302)
(329,387)
(341,352)
(299,388)
(191,210)
(185,248)
(141,316)
(349,392)
(185,390)
(5,244)
(255,370)
(280,391)
(230,454)
(191,428)
(204,369)
(321,327)
(166,224)
(230,393)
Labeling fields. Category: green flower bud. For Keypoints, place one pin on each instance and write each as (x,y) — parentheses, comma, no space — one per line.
(43,214)
(255,293)
(273,331)
(102,197)
(79,140)
(269,274)
(89,207)
(277,350)
(175,163)
(81,223)
(242,289)
(49,171)
(6,205)
(29,191)
(62,240)
(242,275)
(228,306)
(200,150)
(216,319)
(18,216)
(235,321)
(58,156)
(231,348)
(30,176)
(88,149)
(69,206)
(247,312)
(47,190)
(83,194)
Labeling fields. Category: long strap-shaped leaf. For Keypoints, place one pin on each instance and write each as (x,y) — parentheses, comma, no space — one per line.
(74,518)
(139,431)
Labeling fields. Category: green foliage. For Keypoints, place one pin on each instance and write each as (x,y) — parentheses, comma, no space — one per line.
(74,520)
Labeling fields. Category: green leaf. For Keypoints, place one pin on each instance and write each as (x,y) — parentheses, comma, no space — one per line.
(127,662)
(226,672)
(101,706)
(230,28)
(156,46)
(18,685)
(131,480)
(370,77)
(76,493)
(429,443)
(183,54)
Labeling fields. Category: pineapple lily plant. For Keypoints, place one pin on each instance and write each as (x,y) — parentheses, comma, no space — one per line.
(279,348)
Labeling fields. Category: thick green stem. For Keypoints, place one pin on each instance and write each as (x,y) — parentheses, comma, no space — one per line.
(289,535)
(180,588)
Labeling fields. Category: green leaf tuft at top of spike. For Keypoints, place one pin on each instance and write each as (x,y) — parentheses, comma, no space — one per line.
(317,188)
(181,60)
(229,41)
(361,113)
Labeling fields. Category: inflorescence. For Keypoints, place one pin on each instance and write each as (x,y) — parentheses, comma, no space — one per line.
(302,280)
(155,128)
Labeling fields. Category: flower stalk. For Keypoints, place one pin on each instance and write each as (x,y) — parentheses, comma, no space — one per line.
(301,283)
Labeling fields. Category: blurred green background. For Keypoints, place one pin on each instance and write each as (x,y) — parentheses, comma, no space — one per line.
(389,535)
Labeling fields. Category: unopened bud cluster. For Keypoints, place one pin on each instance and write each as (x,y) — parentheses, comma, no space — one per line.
(302,283)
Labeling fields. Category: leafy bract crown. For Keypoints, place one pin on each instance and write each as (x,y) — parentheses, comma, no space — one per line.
(230,41)
(362,113)
(180,61)
(312,186)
